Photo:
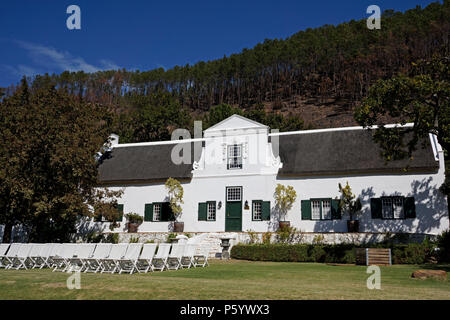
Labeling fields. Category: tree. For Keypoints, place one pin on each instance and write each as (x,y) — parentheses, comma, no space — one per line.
(347,203)
(48,172)
(175,191)
(284,198)
(421,97)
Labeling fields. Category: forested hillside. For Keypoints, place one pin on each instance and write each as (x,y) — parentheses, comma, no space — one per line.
(318,75)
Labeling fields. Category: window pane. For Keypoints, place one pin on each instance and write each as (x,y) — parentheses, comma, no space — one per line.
(157,212)
(257,210)
(234,193)
(315,209)
(398,208)
(326,209)
(211,211)
(234,160)
(387,208)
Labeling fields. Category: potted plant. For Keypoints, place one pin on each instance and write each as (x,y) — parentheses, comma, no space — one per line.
(349,203)
(284,199)
(134,220)
(175,193)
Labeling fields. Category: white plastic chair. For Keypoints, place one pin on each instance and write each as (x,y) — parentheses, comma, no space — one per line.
(128,263)
(187,260)
(21,257)
(42,259)
(159,261)
(3,249)
(34,254)
(110,264)
(174,259)
(201,259)
(11,254)
(62,259)
(94,264)
(144,263)
(84,251)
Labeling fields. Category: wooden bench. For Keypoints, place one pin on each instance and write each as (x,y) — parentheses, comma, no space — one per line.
(373,256)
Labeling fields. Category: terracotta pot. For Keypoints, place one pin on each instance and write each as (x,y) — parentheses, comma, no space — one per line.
(284,224)
(132,227)
(178,226)
(353,225)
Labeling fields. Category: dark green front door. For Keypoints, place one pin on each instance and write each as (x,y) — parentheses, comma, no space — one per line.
(233,209)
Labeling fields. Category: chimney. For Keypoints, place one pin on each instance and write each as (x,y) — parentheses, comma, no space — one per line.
(113,140)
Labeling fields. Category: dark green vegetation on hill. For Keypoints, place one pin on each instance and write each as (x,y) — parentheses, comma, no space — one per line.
(318,74)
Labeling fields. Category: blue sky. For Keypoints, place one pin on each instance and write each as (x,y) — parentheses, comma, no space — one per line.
(149,34)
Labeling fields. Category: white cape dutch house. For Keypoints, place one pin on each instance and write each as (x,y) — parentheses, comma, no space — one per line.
(230,174)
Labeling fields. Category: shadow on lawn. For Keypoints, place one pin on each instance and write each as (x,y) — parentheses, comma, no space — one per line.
(445,267)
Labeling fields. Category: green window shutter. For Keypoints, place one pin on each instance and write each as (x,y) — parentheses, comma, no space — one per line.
(375,208)
(335,210)
(120,209)
(202,211)
(265,210)
(166,212)
(148,212)
(410,207)
(306,209)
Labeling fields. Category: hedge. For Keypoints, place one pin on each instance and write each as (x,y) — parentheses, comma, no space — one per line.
(340,253)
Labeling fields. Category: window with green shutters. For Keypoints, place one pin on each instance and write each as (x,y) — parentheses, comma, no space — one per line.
(393,208)
(158,212)
(320,209)
(260,210)
(202,211)
(148,212)
(120,209)
(207,211)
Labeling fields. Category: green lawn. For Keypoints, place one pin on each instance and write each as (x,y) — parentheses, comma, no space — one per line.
(229,280)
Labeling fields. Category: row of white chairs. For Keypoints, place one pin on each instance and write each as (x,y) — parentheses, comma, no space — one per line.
(102,257)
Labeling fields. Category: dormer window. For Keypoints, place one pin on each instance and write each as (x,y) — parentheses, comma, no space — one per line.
(234,160)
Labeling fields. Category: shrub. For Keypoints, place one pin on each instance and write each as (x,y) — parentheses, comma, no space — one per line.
(317,253)
(134,218)
(286,235)
(340,253)
(94,237)
(253,236)
(266,237)
(134,240)
(171,236)
(112,238)
(443,242)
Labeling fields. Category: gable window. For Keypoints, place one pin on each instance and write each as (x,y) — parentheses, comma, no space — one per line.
(211,211)
(257,210)
(157,212)
(396,207)
(234,159)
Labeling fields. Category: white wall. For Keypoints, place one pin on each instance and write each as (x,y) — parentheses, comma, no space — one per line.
(431,205)
(259,180)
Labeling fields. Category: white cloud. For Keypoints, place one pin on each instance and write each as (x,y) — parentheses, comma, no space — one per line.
(51,58)
(22,70)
